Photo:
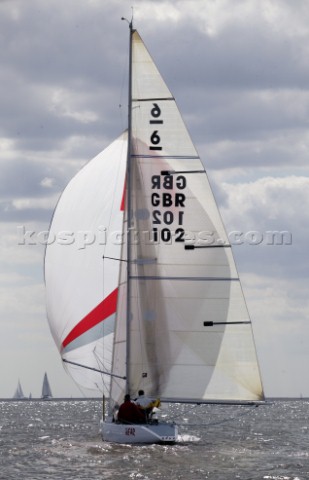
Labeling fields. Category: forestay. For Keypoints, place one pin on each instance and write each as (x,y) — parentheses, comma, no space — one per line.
(190,336)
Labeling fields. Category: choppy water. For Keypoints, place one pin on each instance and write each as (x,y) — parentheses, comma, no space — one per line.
(60,440)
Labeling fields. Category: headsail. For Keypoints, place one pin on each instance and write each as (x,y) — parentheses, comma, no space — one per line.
(190,334)
(81,295)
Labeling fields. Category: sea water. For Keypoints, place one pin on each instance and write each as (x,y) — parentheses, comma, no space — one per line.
(61,440)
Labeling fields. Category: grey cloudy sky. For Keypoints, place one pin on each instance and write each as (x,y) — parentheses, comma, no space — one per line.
(240,73)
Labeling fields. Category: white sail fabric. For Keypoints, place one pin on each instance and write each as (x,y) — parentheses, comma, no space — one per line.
(81,286)
(19,394)
(190,334)
(46,390)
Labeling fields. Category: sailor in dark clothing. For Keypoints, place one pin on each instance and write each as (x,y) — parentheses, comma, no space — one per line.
(129,412)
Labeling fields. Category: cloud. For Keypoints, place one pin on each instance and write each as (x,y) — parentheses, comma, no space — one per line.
(269,201)
(261,208)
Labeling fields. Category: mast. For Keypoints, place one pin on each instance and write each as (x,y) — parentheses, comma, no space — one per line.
(129,210)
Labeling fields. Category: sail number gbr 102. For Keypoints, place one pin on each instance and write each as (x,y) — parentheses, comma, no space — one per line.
(167,194)
(168,207)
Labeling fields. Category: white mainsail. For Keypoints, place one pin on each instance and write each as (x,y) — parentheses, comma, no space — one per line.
(190,336)
(81,295)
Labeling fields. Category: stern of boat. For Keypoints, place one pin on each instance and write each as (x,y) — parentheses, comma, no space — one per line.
(139,433)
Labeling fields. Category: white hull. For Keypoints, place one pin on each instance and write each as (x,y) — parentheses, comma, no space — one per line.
(133,433)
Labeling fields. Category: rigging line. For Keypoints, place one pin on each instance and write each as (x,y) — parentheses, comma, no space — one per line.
(92,368)
(186,411)
(103,323)
(80,389)
(114,258)
(119,385)
(100,364)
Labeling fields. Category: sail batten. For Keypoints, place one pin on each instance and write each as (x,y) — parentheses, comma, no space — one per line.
(152,99)
(193,279)
(176,157)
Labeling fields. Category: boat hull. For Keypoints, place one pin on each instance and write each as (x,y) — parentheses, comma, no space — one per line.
(133,433)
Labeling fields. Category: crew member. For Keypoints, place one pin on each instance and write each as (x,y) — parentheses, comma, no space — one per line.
(146,403)
(129,412)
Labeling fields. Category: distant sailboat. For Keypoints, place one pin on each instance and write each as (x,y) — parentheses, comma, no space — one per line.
(46,390)
(19,394)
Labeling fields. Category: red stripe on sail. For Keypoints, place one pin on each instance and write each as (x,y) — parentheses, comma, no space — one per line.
(102,311)
(122,206)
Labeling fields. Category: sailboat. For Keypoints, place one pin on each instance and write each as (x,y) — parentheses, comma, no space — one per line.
(19,394)
(46,390)
(142,288)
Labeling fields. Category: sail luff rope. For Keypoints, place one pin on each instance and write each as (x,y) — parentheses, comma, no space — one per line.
(100,364)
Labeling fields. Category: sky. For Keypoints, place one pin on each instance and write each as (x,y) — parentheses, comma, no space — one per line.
(240,73)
